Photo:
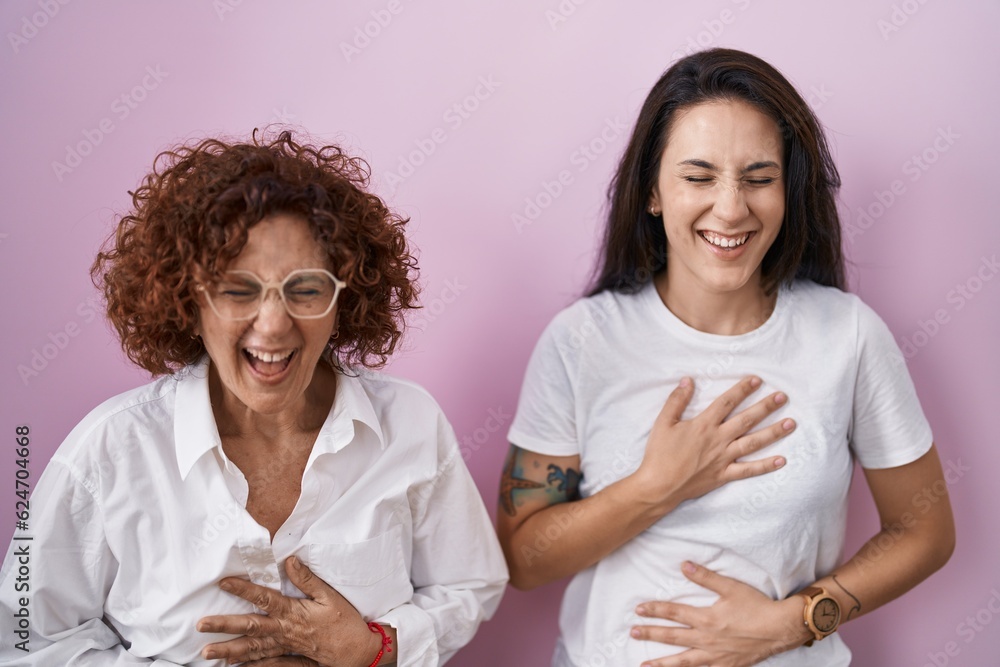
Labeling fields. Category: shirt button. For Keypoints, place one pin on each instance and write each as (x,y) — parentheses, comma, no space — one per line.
(268,578)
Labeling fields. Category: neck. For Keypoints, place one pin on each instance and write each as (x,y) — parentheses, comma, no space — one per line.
(275,430)
(729,313)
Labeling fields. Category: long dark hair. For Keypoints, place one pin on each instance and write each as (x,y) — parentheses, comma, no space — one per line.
(808,245)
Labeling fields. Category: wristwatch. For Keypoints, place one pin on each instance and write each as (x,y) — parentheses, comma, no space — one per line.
(821,614)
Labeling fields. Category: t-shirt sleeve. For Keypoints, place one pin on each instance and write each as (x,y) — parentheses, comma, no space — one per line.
(888,427)
(545,421)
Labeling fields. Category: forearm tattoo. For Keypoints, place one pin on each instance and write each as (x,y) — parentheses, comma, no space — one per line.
(857,603)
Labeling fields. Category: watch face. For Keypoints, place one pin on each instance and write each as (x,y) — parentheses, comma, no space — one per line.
(826,615)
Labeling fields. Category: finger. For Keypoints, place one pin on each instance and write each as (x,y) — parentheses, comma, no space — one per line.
(662,634)
(694,657)
(261,597)
(243,649)
(252,625)
(724,405)
(706,578)
(671,611)
(677,401)
(741,423)
(753,442)
(305,580)
(747,469)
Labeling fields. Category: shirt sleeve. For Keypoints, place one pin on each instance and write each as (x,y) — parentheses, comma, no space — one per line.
(63,573)
(545,421)
(458,572)
(888,427)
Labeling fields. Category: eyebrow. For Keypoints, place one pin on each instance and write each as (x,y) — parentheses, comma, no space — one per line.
(694,162)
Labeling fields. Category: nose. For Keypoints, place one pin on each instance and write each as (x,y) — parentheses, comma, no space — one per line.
(272,318)
(730,203)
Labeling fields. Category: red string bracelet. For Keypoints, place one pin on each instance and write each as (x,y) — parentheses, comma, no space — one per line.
(386,641)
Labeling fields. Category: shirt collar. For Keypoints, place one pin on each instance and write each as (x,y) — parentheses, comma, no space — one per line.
(350,406)
(195,430)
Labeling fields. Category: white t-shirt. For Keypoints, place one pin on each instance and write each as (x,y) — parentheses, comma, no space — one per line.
(140,513)
(595,383)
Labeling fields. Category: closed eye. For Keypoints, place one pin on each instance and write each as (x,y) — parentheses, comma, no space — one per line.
(238,293)
(303,292)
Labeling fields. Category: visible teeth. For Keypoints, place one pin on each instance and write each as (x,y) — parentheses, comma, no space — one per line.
(725,241)
(269,357)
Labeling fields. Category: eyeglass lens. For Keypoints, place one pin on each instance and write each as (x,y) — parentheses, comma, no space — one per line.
(306,294)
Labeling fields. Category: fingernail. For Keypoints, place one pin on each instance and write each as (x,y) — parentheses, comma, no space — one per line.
(685,382)
(635,632)
(755,382)
(778,462)
(208,654)
(226,586)
(788,424)
(780,398)
(641,610)
(689,567)
(296,563)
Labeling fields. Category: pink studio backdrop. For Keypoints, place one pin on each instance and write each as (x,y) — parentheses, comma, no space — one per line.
(472,114)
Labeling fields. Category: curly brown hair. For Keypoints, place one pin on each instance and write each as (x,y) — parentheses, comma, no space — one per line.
(190,218)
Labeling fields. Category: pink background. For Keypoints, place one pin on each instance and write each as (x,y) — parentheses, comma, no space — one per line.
(890,81)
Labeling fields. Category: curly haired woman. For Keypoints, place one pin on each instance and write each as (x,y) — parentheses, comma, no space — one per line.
(320,510)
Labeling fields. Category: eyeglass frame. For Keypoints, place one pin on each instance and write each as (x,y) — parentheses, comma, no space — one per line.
(278,286)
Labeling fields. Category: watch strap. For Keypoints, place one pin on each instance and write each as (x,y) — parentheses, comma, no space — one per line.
(812,592)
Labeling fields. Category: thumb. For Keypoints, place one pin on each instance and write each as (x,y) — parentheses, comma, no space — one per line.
(677,401)
(304,579)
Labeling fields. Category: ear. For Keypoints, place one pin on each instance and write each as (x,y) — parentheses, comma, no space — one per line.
(653,207)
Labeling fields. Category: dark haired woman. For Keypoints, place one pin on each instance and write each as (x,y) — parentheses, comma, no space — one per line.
(259,279)
(708,530)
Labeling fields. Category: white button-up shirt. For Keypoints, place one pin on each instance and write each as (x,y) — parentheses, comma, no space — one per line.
(140,514)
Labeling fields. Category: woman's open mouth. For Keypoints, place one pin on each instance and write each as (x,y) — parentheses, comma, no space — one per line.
(727,246)
(268,364)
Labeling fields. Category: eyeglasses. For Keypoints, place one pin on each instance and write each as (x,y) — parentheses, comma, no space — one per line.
(308,294)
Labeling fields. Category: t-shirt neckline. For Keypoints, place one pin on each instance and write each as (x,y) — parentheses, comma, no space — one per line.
(678,327)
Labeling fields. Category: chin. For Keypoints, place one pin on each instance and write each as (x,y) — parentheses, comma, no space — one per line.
(730,283)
